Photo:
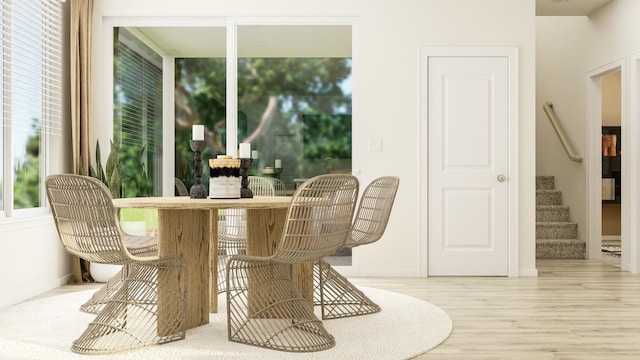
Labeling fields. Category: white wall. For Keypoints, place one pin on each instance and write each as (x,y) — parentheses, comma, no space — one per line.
(386,103)
(32,260)
(567,48)
(560,79)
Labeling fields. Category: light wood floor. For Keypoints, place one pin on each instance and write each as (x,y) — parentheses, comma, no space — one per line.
(574,309)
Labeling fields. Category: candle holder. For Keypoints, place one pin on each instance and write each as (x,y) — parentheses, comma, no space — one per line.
(245,192)
(276,172)
(197,191)
(272,172)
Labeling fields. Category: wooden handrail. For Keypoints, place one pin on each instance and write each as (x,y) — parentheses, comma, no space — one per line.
(548,109)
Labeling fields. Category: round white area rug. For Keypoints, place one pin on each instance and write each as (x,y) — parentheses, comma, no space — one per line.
(406,327)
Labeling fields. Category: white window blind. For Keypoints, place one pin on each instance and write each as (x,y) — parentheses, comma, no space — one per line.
(139,91)
(31,59)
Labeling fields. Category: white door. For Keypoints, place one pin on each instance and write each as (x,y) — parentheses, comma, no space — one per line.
(468,163)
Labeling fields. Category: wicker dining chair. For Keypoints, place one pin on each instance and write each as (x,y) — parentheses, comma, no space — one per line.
(336,295)
(281,189)
(232,228)
(138,245)
(133,316)
(264,307)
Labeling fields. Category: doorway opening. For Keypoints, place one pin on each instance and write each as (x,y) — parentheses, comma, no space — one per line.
(611,167)
(607,185)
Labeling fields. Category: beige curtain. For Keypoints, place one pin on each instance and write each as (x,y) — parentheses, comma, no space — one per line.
(80,31)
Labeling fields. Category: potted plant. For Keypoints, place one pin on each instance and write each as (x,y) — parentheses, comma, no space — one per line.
(132,221)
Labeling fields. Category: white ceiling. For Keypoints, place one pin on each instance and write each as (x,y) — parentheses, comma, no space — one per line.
(568,7)
(302,40)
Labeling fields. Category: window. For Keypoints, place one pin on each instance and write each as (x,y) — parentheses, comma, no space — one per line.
(138,115)
(31,101)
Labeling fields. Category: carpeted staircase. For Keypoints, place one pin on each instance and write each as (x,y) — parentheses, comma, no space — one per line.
(556,235)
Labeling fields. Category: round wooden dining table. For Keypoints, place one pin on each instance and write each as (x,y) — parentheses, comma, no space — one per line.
(188,228)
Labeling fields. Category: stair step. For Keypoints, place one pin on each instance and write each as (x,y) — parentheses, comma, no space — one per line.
(552,213)
(556,236)
(556,230)
(561,249)
(611,242)
(545,183)
(548,197)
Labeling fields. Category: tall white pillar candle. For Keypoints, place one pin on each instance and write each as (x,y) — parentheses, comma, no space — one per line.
(198,132)
(278,163)
(245,150)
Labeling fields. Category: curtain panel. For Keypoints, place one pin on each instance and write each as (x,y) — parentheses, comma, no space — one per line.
(80,31)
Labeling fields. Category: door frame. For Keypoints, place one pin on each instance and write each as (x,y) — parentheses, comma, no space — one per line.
(594,167)
(633,122)
(511,53)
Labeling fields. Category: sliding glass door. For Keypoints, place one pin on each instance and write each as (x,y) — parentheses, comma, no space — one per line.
(293,99)
(283,85)
(288,94)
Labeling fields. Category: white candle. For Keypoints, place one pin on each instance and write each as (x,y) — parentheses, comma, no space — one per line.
(254,154)
(198,132)
(278,163)
(245,150)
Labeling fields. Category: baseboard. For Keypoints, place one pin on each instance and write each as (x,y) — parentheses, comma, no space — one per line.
(25,294)
(528,273)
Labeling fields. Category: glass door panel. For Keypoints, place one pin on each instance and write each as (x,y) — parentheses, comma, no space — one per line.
(200,99)
(294,99)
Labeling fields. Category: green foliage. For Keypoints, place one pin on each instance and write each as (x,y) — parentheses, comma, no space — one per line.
(26,185)
(327,136)
(131,182)
(111,175)
(26,188)
(298,85)
(132,162)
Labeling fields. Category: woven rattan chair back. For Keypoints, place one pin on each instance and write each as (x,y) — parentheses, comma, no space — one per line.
(373,211)
(129,317)
(281,189)
(261,186)
(232,224)
(319,218)
(86,219)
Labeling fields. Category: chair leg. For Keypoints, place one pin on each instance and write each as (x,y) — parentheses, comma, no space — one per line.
(226,249)
(100,298)
(265,309)
(149,308)
(222,269)
(337,296)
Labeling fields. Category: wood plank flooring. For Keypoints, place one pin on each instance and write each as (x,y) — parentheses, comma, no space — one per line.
(574,310)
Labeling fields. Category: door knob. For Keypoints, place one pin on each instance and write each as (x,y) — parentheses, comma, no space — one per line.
(502,178)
